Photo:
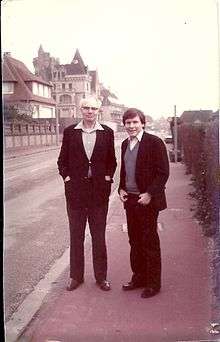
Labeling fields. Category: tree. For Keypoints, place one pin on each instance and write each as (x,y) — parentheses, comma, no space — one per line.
(18,112)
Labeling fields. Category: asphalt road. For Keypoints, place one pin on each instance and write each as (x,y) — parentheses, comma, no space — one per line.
(36,226)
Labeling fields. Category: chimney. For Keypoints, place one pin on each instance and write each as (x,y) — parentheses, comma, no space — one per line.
(7,54)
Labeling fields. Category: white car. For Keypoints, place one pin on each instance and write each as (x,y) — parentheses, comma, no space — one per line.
(168,139)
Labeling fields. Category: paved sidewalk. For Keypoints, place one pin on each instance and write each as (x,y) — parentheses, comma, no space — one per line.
(180,312)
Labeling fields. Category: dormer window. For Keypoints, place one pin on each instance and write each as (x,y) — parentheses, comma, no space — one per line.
(41,90)
(8,88)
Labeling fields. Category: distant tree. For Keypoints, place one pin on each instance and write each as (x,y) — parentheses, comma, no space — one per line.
(18,112)
(148,118)
(161,124)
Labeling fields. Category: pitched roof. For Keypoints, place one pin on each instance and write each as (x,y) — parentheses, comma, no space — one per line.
(77,66)
(106,93)
(15,71)
(7,74)
(193,115)
(24,72)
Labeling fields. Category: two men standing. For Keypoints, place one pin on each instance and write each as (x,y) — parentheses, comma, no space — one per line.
(87,164)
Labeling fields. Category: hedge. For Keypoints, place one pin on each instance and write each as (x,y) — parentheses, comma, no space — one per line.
(200,148)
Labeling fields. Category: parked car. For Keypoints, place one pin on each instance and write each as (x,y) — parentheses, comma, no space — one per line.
(168,139)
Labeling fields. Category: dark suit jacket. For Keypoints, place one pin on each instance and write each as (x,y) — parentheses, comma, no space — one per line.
(73,162)
(152,169)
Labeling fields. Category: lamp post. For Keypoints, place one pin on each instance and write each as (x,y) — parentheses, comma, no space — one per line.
(57,127)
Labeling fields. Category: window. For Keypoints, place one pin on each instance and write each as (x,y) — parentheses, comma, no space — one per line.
(70,86)
(46,91)
(65,113)
(63,74)
(54,86)
(8,87)
(46,112)
(54,74)
(54,97)
(41,90)
(35,88)
(65,98)
(63,86)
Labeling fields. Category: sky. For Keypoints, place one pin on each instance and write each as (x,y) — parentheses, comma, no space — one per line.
(153,54)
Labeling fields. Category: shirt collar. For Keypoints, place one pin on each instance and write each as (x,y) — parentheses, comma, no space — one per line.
(138,136)
(95,128)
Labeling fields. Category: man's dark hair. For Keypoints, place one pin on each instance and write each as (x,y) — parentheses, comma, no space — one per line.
(131,113)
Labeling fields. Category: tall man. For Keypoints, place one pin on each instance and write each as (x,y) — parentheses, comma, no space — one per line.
(87,164)
(143,175)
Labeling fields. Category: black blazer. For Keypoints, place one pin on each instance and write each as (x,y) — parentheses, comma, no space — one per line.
(73,162)
(152,169)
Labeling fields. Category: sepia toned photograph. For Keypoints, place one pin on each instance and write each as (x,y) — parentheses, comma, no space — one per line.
(110,113)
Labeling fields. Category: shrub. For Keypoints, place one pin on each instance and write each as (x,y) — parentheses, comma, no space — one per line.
(199,144)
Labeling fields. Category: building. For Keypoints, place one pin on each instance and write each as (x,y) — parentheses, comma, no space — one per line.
(72,82)
(196,116)
(112,109)
(24,91)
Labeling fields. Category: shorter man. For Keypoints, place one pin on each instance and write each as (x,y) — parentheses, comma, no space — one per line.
(87,164)
(143,175)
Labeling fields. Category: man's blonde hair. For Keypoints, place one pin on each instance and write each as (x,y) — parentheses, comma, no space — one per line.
(90,101)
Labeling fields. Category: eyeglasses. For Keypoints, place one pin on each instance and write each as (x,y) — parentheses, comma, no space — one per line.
(88,108)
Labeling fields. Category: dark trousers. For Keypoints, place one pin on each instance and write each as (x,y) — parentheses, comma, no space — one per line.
(97,224)
(145,255)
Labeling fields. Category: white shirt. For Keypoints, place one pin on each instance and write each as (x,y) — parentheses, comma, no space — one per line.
(133,141)
(89,136)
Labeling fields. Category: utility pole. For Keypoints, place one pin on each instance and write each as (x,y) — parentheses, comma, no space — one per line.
(57,127)
(175,135)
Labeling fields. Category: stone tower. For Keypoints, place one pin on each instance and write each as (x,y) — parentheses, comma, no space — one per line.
(44,64)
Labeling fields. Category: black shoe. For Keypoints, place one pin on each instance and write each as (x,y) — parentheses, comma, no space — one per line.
(104,285)
(131,286)
(149,292)
(73,284)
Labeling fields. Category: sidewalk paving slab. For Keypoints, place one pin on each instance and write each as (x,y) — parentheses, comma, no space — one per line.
(180,312)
